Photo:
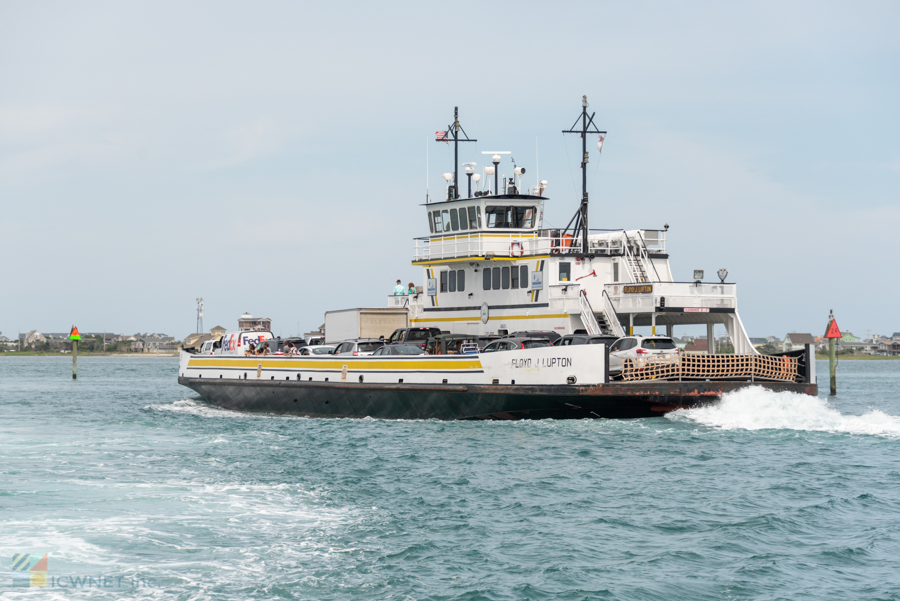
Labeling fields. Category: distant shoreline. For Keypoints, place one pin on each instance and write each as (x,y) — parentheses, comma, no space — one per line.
(859,358)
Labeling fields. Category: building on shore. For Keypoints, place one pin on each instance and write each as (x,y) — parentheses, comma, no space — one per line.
(248,322)
(796,342)
(889,347)
(698,347)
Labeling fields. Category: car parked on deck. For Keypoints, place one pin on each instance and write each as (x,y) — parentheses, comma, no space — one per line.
(319,349)
(358,347)
(548,334)
(416,336)
(574,339)
(515,344)
(632,347)
(398,349)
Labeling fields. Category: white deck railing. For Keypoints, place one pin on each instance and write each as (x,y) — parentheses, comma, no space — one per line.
(505,243)
(677,294)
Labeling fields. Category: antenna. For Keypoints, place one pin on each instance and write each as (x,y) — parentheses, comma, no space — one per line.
(581,217)
(199,314)
(426,169)
(453,131)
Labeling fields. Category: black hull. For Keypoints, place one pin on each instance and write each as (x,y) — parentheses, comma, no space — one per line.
(449,402)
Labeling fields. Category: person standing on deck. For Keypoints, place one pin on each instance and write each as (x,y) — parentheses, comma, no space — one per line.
(399,290)
(412,288)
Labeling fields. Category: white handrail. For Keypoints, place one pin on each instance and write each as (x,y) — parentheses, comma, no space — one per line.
(629,261)
(609,313)
(587,316)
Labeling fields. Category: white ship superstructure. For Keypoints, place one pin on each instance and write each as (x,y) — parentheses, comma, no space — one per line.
(491,267)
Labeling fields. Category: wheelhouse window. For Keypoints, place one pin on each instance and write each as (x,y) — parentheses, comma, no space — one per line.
(511,217)
(454,220)
(486,278)
(463,219)
(474,221)
(438,224)
(525,217)
(498,216)
(565,272)
(445,215)
(430,222)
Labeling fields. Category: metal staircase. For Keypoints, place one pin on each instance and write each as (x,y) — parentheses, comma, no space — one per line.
(638,261)
(587,315)
(604,322)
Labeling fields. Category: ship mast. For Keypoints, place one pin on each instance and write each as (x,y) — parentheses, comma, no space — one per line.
(453,130)
(581,217)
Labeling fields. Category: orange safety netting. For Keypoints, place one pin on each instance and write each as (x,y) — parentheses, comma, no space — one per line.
(712,367)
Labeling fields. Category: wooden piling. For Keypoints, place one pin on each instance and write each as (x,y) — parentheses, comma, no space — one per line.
(832,366)
(832,333)
(74,336)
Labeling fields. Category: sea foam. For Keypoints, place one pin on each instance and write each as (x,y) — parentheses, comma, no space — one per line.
(756,408)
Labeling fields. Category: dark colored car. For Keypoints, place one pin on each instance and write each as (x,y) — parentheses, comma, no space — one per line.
(416,336)
(450,344)
(546,334)
(515,344)
(573,339)
(483,341)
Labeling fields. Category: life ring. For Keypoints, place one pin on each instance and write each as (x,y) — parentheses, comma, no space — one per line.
(516,249)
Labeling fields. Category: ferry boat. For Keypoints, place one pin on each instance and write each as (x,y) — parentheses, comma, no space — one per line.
(490,268)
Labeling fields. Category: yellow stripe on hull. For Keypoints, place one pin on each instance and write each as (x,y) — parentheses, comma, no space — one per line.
(369,364)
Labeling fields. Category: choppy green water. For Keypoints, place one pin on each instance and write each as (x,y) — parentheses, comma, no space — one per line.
(125,475)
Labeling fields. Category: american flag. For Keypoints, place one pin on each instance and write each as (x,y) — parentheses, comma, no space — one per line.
(441,136)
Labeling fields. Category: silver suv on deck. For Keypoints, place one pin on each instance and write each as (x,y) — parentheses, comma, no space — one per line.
(632,347)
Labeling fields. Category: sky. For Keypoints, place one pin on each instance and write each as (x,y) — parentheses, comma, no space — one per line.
(271,157)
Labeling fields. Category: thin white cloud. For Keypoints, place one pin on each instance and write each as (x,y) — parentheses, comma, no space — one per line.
(244,143)
(21,124)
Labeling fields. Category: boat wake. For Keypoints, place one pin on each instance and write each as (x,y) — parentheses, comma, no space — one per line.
(756,408)
(201,409)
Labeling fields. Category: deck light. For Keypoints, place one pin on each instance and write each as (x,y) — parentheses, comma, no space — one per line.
(469,171)
(448,177)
